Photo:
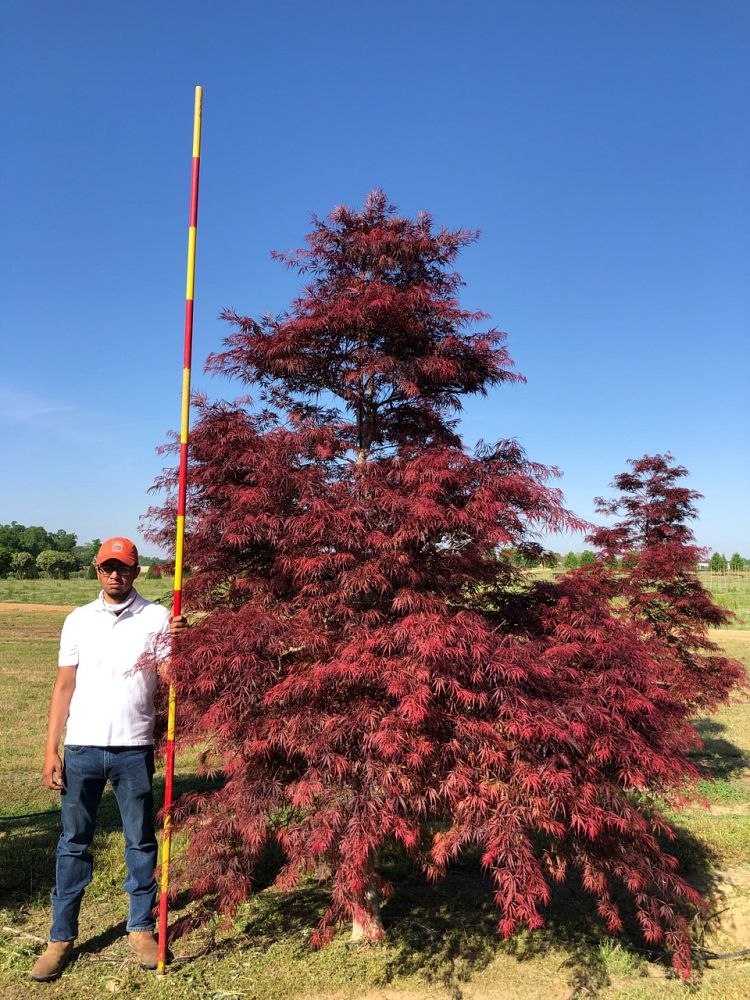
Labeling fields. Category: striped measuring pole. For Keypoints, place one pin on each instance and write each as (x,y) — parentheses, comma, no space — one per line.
(180,539)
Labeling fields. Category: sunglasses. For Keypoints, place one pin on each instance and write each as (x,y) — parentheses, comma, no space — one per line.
(115,570)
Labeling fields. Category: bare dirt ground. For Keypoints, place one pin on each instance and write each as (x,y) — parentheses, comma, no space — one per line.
(730,927)
(740,634)
(25,606)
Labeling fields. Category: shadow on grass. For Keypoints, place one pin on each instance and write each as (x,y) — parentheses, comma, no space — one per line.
(27,859)
(719,758)
(28,844)
(109,936)
(444,933)
(447,932)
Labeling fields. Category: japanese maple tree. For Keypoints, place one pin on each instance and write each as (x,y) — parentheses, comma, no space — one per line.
(368,669)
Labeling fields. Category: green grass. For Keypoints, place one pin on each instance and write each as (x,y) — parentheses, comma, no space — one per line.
(727,792)
(725,837)
(442,939)
(74,592)
(28,664)
(731,591)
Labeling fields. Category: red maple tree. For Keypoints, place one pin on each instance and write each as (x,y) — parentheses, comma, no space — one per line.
(368,670)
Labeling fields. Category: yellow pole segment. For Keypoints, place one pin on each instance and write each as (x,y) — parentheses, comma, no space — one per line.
(197,119)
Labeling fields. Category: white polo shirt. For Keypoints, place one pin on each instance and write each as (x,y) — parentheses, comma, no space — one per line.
(113,701)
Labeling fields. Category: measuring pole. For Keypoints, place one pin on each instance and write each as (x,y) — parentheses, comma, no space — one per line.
(180,539)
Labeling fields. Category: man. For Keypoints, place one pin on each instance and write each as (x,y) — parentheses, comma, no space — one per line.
(107,703)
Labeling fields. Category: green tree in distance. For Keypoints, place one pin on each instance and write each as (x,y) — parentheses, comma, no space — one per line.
(35,539)
(736,562)
(58,564)
(23,565)
(6,560)
(718,563)
(571,561)
(62,541)
(86,554)
(10,536)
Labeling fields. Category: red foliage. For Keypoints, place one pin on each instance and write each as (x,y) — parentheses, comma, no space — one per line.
(658,578)
(368,670)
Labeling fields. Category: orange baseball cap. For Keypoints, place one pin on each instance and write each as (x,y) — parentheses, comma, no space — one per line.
(121,549)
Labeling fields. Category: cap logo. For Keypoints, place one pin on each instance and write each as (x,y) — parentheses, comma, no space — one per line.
(117,546)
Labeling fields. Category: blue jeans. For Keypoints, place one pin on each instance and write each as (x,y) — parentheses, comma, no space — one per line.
(86,771)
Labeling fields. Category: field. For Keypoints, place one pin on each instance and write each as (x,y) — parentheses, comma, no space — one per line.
(71,593)
(441,939)
(731,591)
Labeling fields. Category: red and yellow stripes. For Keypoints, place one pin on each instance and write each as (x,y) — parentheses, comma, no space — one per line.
(180,538)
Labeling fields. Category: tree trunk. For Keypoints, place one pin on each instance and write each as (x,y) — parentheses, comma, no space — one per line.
(372,928)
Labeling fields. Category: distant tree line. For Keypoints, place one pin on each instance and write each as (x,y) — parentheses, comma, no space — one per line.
(534,556)
(718,563)
(27,552)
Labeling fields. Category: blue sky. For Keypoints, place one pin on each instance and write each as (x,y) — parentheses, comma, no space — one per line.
(601,146)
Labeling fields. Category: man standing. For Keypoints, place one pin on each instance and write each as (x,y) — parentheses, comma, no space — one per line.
(107,703)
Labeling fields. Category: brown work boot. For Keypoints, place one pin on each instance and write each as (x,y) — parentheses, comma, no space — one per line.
(144,946)
(52,961)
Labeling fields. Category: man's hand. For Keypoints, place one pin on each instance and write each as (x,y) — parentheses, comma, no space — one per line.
(177,624)
(62,693)
(53,770)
